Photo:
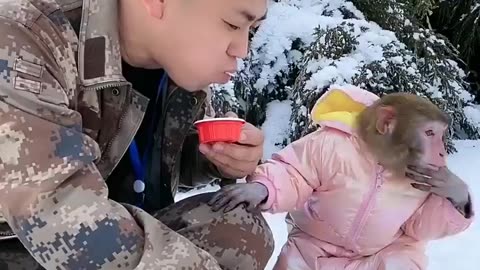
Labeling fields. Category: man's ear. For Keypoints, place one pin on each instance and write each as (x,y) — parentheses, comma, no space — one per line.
(385,119)
(155,8)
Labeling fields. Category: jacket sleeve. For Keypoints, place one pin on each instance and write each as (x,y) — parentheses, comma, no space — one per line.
(292,174)
(51,193)
(438,218)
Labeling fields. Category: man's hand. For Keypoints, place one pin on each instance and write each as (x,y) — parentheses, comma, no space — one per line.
(443,183)
(237,160)
(231,196)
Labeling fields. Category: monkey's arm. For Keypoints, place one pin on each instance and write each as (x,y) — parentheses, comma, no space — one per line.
(293,173)
(438,217)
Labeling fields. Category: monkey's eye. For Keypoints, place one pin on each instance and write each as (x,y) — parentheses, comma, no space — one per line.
(429,133)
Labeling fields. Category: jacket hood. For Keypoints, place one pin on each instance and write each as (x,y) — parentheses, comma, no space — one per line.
(340,105)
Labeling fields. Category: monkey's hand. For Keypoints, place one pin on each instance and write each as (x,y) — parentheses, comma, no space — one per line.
(443,183)
(231,196)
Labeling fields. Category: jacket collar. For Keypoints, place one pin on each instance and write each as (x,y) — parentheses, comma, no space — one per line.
(99,59)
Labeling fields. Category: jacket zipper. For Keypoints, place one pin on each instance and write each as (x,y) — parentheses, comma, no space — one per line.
(174,189)
(365,208)
(122,117)
(7,235)
(104,86)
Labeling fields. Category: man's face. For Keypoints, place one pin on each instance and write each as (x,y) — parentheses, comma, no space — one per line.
(205,37)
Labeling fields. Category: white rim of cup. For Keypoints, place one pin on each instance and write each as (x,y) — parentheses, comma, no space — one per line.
(220,119)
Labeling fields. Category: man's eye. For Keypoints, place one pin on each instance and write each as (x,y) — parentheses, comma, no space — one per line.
(430,133)
(233,27)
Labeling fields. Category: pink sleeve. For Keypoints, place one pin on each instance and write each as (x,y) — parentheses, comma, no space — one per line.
(438,218)
(291,175)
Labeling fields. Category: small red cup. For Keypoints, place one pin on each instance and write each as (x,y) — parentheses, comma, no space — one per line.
(219,130)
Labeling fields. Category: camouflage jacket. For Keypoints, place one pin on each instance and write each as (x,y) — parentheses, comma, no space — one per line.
(67,116)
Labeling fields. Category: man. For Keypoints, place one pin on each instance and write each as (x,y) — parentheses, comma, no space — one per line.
(69,118)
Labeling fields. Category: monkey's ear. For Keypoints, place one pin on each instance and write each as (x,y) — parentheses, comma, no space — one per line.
(385,119)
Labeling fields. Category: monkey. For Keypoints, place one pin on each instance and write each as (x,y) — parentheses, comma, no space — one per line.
(367,190)
(410,119)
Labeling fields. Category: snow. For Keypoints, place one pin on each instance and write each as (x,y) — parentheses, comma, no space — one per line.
(282,27)
(368,50)
(183,195)
(276,126)
(473,114)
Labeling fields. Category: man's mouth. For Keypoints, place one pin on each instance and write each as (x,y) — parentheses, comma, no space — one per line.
(231,74)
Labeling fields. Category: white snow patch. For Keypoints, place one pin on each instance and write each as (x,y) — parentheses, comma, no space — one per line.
(208,188)
(282,27)
(276,126)
(473,114)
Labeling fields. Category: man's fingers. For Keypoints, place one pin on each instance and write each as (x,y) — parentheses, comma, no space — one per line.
(231,115)
(250,135)
(210,154)
(238,152)
(205,149)
(227,169)
(229,165)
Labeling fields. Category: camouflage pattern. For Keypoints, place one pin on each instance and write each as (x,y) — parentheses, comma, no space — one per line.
(64,129)
(222,235)
(238,240)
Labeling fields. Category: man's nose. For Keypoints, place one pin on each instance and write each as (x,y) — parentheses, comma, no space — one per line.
(239,46)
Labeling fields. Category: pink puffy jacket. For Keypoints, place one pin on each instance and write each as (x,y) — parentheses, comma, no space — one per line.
(347,212)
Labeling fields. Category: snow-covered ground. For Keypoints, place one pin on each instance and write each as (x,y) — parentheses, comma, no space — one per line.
(460,252)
